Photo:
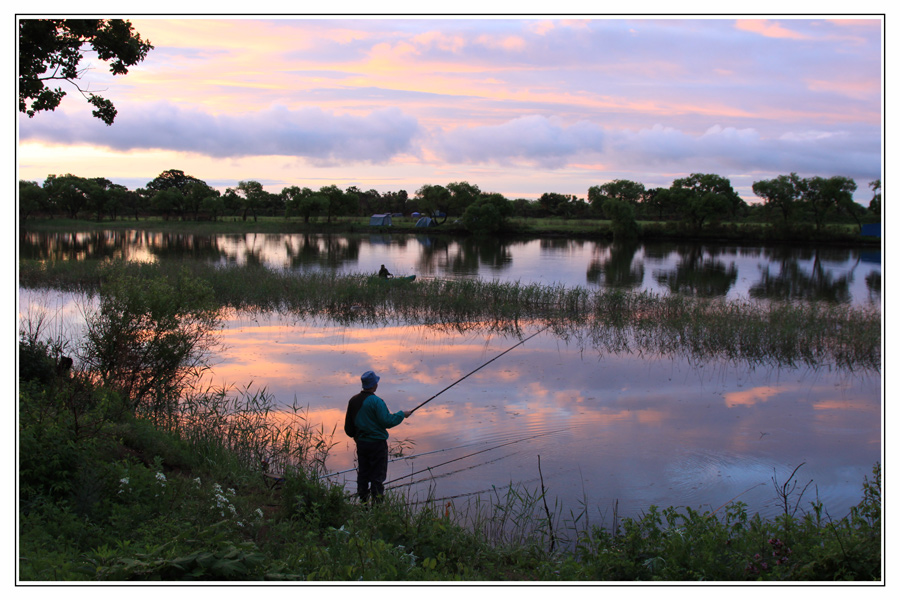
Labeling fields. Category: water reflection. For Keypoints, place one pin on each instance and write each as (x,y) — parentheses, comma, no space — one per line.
(639,430)
(617,267)
(699,273)
(834,274)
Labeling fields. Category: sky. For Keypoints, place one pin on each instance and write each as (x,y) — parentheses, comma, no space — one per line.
(515,105)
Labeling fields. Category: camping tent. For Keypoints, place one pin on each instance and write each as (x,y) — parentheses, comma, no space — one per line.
(425,222)
(380,220)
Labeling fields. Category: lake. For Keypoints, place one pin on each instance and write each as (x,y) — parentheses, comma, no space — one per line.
(609,432)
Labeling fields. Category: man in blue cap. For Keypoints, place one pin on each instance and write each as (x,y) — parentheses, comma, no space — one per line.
(367,422)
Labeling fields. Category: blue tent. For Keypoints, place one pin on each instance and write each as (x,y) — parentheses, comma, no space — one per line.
(380,220)
(872,229)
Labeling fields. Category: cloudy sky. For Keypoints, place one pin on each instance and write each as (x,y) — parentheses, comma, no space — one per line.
(519,106)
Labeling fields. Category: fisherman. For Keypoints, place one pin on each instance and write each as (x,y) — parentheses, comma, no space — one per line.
(367,421)
(384,273)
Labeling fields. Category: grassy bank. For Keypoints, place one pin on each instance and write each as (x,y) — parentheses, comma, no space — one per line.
(128,470)
(106,495)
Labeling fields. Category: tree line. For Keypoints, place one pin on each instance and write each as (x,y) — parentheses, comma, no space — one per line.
(697,200)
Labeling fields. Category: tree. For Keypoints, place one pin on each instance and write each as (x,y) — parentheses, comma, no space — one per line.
(252,197)
(303,202)
(396,202)
(781,194)
(32,198)
(52,49)
(659,202)
(622,190)
(434,199)
(706,197)
(67,193)
(462,195)
(824,196)
(173,178)
(710,183)
(552,202)
(488,214)
(621,213)
(875,203)
(199,197)
(104,196)
(338,202)
(167,201)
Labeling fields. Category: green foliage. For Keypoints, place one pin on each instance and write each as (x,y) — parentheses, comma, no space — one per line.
(150,338)
(488,214)
(624,225)
(123,503)
(52,49)
(107,495)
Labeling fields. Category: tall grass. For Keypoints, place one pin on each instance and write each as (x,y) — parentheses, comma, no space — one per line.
(761,332)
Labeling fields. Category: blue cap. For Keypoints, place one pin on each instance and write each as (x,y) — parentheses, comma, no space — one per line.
(369,380)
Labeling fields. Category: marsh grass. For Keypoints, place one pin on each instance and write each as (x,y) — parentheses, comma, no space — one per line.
(816,334)
(109,493)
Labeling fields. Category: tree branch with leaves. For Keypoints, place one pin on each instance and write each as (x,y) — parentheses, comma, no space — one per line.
(52,50)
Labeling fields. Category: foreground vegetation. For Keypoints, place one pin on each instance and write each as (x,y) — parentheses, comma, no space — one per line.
(129,471)
(106,495)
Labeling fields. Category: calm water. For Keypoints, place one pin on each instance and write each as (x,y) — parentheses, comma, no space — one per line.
(637,430)
(844,275)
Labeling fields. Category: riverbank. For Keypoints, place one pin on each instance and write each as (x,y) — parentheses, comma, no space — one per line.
(735,233)
(108,496)
(112,491)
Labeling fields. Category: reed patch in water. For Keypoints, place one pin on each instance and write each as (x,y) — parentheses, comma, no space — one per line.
(816,334)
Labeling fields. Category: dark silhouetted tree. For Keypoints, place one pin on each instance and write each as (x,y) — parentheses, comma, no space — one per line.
(52,50)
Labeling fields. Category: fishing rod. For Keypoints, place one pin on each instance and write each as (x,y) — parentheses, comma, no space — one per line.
(478,369)
(410,457)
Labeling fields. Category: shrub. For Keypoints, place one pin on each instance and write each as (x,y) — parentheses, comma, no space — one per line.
(151,338)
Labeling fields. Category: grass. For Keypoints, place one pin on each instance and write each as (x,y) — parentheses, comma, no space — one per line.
(108,492)
(106,496)
(760,332)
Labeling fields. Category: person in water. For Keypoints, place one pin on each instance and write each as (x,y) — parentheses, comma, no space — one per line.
(367,421)
(384,273)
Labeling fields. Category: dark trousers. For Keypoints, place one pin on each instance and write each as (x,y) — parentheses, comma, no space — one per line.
(372,458)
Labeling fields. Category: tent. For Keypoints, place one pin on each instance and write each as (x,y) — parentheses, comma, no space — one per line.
(380,220)
(872,229)
(425,222)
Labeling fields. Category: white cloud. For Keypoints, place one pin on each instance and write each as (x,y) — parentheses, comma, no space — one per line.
(534,139)
(312,133)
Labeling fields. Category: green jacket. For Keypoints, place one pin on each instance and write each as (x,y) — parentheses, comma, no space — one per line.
(374,419)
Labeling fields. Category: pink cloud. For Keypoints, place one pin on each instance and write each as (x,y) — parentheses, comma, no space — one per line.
(769,29)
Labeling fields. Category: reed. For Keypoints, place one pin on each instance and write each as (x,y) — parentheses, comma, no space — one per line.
(814,334)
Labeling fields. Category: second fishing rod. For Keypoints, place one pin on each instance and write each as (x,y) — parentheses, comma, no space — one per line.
(473,371)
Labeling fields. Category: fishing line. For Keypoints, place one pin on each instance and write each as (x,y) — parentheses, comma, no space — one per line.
(478,369)
(449,473)
(466,456)
(412,456)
